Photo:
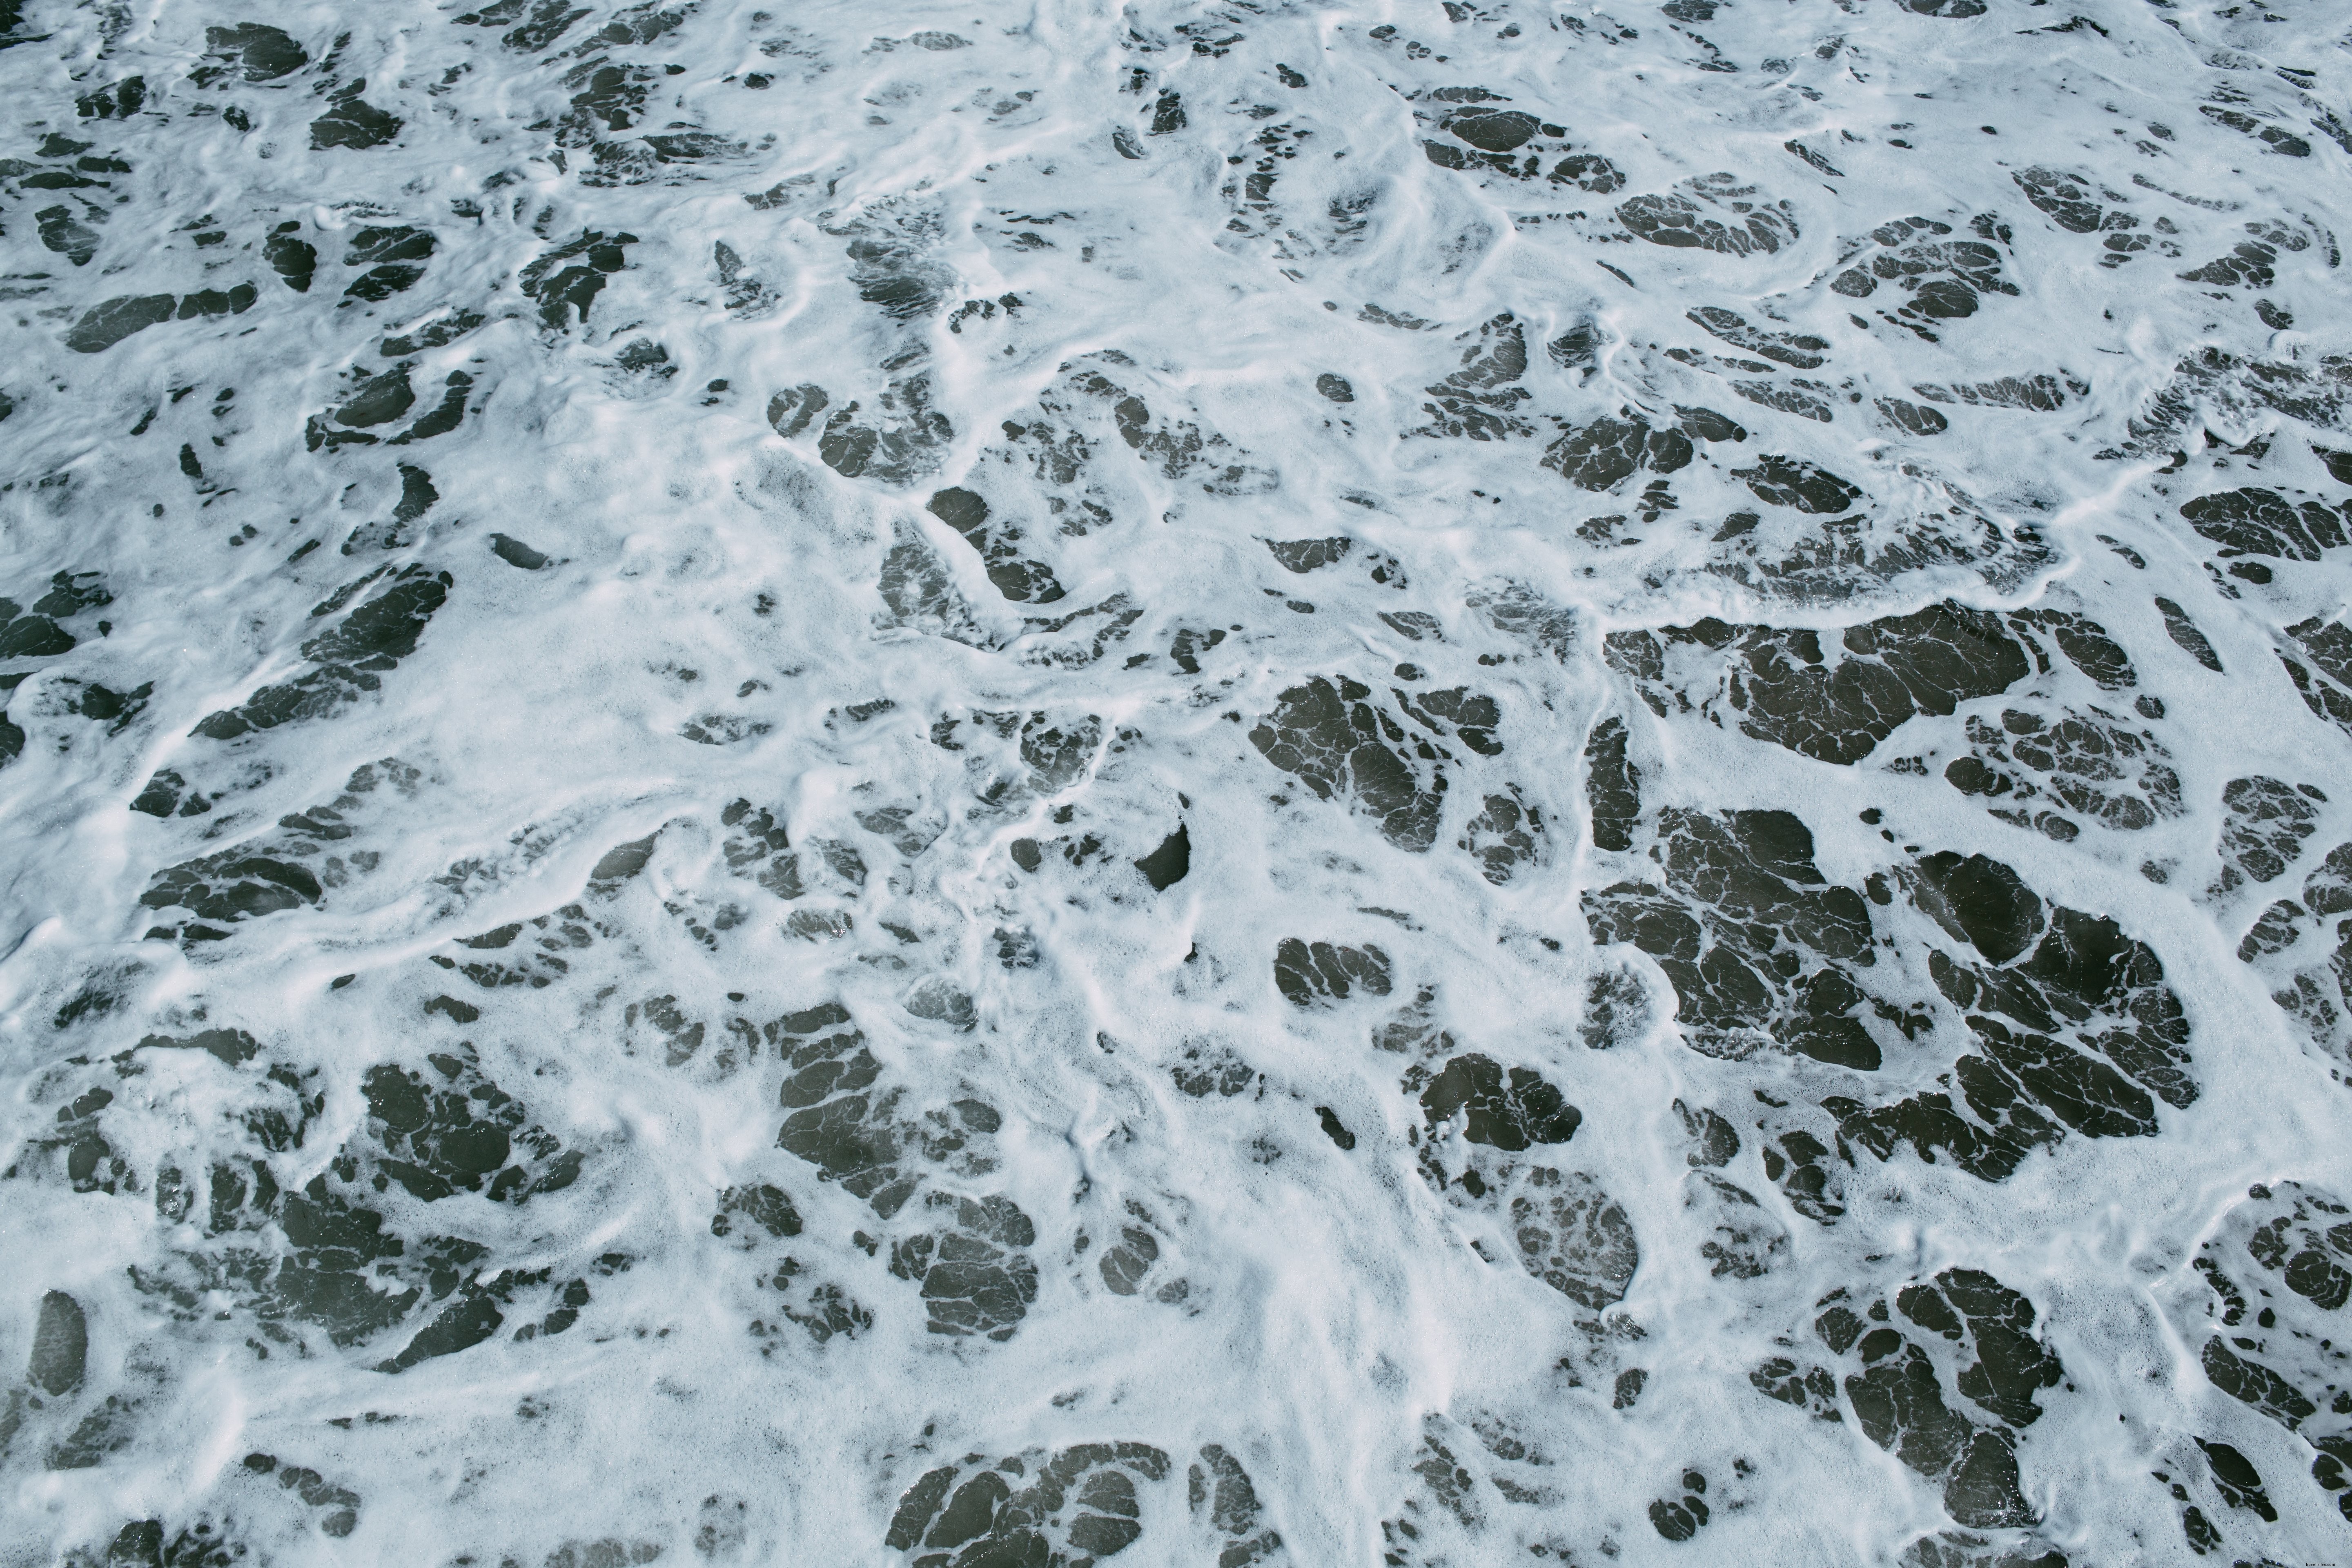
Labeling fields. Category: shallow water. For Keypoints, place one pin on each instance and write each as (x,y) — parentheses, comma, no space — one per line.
(1239,783)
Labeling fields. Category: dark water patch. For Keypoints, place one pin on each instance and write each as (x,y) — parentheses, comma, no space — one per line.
(889,260)
(1343,747)
(938,999)
(1574,1238)
(1480,139)
(393,257)
(231,301)
(2184,633)
(1743,917)
(433,334)
(459,1132)
(860,1130)
(1806,1170)
(1203,1070)
(905,440)
(61,1345)
(1946,280)
(1811,1389)
(1386,318)
(1913,418)
(286,869)
(515,552)
(104,325)
(1507,836)
(233,886)
(916,590)
(1688,218)
(1168,865)
(1180,448)
(353,122)
(1792,483)
(974,1276)
(2235,1478)
(442,418)
(2273,138)
(2072,202)
(549,21)
(1808,399)
(1795,348)
(1783,689)
(2084,641)
(1479,400)
(1512,1112)
(77,242)
(1455,712)
(1613,786)
(1492,129)
(148,1543)
(417,494)
(348,660)
(164,794)
(825,1311)
(566,280)
(610,95)
(1743,1241)
(348,1271)
(378,400)
(746,295)
(1606,452)
(1309,973)
(338,1505)
(117,709)
(255,50)
(1681,1516)
(119,101)
(1578,349)
(2264,822)
(2091,761)
(2328,889)
(1079,1505)
(2247,265)
(1980,902)
(1898,1393)
(1714,1140)
(2085,981)
(2279,1274)
(2326,684)
(1019,579)
(31,636)
(2173,418)
(292,258)
(792,410)
(2276,929)
(1304,555)
(669,158)
(2255,522)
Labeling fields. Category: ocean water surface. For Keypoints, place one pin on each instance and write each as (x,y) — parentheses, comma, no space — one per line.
(1207,784)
